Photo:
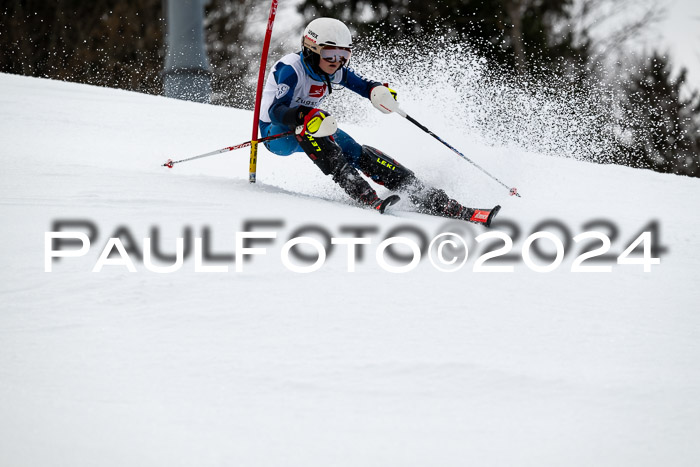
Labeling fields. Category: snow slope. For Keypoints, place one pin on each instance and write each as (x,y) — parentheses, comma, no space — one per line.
(271,367)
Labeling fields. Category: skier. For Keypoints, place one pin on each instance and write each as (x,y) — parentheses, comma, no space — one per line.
(294,90)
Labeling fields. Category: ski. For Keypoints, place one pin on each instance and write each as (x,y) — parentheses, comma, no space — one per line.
(482,216)
(382,204)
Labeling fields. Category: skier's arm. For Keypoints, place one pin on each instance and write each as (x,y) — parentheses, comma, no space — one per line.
(357,83)
(381,96)
(281,111)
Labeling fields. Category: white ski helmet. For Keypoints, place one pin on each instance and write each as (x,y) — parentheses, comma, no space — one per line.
(326,32)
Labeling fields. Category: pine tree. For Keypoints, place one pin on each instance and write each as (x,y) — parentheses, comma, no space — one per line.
(663,126)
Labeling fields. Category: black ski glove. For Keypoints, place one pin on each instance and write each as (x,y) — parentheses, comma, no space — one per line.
(295,116)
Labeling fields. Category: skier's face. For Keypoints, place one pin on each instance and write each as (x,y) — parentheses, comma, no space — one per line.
(333,58)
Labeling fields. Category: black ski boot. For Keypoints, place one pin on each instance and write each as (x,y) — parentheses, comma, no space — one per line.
(435,201)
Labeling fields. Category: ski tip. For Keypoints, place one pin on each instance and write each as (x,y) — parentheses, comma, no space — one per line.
(393,199)
(493,213)
(482,216)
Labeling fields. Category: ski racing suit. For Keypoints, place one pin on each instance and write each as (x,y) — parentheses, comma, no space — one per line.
(292,90)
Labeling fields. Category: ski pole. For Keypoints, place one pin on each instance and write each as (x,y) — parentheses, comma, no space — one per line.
(513,190)
(171,162)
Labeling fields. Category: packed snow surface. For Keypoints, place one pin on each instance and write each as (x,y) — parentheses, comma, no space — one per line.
(271,367)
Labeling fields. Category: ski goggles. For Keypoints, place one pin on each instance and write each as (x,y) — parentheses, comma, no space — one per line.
(332,55)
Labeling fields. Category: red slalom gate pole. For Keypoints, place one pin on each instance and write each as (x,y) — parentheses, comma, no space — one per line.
(253,168)
(171,162)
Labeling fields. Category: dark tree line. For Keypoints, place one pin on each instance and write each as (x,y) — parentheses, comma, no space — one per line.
(519,33)
(115,43)
(120,43)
